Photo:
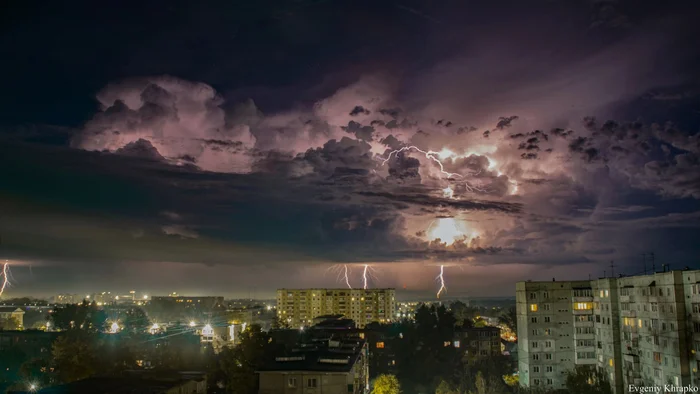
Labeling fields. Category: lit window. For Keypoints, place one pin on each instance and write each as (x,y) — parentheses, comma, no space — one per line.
(292,382)
(380,345)
(311,382)
(456,343)
(610,362)
(533,307)
(581,306)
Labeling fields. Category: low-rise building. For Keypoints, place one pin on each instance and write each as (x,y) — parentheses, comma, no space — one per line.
(11,317)
(318,367)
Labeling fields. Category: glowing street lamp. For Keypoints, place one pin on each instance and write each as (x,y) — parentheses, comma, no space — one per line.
(192,324)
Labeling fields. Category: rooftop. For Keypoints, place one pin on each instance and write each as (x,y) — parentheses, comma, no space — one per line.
(320,356)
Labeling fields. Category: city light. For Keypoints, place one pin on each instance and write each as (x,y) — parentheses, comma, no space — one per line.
(114,328)
(154,328)
(207,331)
(192,324)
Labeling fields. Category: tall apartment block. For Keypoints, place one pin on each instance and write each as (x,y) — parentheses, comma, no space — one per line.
(640,330)
(298,307)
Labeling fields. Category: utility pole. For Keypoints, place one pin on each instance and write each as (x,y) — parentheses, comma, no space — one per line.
(653,266)
(644,259)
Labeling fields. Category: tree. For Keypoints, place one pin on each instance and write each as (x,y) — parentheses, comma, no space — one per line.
(445,388)
(75,356)
(509,318)
(585,379)
(85,316)
(136,321)
(386,384)
(9,324)
(237,365)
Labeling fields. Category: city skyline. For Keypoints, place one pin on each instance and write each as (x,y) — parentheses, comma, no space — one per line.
(235,150)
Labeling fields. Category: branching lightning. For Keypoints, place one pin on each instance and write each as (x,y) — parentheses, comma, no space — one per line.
(5,277)
(436,157)
(342,272)
(441,279)
(345,276)
(428,154)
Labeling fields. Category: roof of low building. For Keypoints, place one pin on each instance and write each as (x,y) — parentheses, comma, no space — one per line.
(323,356)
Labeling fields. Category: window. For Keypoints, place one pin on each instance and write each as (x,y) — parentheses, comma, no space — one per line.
(456,343)
(547,343)
(607,293)
(545,294)
(610,362)
(547,331)
(533,307)
(549,368)
(601,293)
(535,332)
(483,352)
(533,319)
(311,382)
(580,306)
(654,307)
(696,308)
(535,356)
(550,381)
(548,356)
(534,344)
(536,382)
(292,382)
(380,345)
(533,296)
(545,307)
(536,369)
(657,357)
(547,319)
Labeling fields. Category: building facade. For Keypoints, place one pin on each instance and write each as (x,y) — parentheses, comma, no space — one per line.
(11,317)
(299,307)
(323,367)
(478,343)
(640,330)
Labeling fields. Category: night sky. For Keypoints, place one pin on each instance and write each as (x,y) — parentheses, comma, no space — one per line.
(235,147)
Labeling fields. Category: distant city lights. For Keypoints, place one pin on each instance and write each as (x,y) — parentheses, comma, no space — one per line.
(192,324)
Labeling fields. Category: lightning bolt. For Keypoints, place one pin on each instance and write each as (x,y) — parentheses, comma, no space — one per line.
(441,278)
(5,278)
(430,154)
(434,156)
(364,276)
(345,276)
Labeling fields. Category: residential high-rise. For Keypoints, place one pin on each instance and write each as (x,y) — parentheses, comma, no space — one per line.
(637,329)
(298,307)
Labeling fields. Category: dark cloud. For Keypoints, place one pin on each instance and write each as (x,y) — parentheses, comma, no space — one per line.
(505,122)
(359,110)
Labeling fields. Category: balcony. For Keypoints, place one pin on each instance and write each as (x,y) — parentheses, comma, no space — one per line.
(583,323)
(583,299)
(583,312)
(629,313)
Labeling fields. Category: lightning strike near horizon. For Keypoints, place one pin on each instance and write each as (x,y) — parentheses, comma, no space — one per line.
(346,277)
(5,277)
(441,278)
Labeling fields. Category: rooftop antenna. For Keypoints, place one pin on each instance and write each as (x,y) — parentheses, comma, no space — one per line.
(612,268)
(644,259)
(653,268)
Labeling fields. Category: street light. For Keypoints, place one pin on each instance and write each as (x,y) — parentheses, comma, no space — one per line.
(192,324)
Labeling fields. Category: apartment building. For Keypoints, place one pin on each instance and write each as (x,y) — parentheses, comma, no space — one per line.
(298,307)
(478,343)
(318,367)
(640,330)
